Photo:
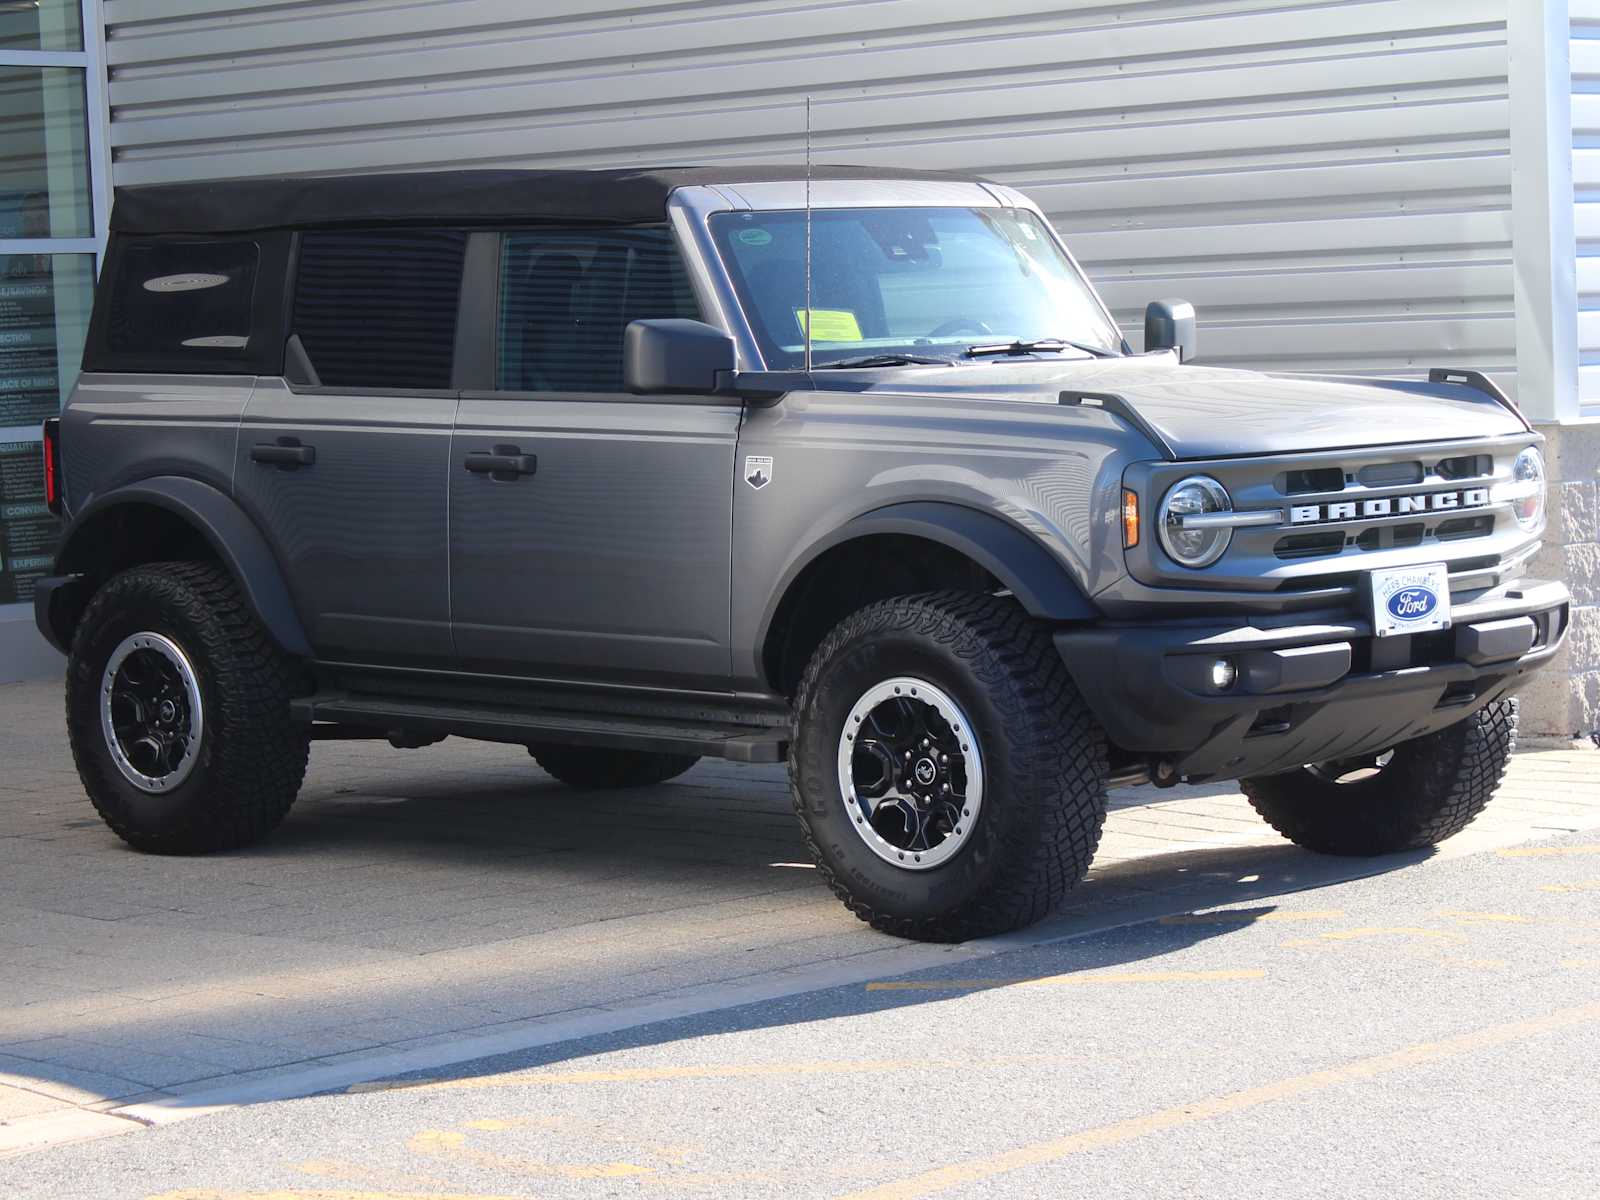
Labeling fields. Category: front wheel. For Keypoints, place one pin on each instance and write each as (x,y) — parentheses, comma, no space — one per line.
(1407,798)
(949,779)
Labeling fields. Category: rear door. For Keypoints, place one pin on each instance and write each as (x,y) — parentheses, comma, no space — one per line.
(600,550)
(345,469)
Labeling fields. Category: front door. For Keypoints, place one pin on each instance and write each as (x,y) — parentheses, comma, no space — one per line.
(589,529)
(347,472)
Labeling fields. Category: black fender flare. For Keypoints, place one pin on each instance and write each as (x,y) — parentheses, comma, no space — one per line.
(239,545)
(1040,582)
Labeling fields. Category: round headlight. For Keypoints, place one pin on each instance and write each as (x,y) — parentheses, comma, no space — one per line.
(1196,544)
(1527,476)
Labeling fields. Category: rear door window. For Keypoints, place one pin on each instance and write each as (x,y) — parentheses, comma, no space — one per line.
(376,309)
(566,295)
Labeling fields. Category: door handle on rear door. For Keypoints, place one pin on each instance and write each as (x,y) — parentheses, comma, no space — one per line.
(286,453)
(503,463)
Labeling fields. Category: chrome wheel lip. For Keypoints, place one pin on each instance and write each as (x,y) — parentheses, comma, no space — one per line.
(169,650)
(856,807)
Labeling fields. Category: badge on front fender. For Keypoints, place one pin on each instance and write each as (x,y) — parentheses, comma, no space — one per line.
(1410,599)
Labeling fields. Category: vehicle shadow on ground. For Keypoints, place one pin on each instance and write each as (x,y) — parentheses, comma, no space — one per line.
(532,900)
(1075,947)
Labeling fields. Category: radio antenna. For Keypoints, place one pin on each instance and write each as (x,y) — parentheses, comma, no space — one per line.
(810,316)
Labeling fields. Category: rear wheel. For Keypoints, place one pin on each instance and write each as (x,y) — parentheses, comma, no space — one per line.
(589,767)
(178,712)
(1412,796)
(948,778)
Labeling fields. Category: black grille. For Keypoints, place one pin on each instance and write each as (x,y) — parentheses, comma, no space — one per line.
(1322,479)
(1466,466)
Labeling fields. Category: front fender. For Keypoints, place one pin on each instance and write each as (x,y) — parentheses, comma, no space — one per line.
(233,536)
(1031,573)
(1041,584)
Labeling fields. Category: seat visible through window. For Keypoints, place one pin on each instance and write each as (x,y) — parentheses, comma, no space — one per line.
(566,295)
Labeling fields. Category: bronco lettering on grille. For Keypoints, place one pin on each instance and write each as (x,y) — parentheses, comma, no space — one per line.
(1387,506)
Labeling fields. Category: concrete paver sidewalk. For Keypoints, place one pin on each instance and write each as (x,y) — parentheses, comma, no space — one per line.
(416,897)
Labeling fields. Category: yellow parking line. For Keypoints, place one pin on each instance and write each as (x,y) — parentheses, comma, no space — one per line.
(1487,918)
(1582,885)
(727,1071)
(1374,931)
(1244,916)
(977,1170)
(320,1194)
(449,1144)
(1547,851)
(948,985)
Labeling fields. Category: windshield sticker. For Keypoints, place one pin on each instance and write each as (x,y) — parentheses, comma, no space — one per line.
(830,324)
(755,237)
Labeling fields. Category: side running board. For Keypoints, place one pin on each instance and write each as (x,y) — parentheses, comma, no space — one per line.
(394,717)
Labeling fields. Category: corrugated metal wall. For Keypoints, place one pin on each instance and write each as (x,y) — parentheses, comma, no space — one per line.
(1585,49)
(1328,182)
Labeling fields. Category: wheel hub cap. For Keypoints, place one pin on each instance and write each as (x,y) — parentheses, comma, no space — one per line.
(150,712)
(911,773)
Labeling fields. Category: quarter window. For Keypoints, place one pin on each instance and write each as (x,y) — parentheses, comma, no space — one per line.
(567,294)
(377,309)
(189,303)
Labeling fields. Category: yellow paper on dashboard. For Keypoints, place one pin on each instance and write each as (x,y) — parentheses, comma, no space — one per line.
(830,324)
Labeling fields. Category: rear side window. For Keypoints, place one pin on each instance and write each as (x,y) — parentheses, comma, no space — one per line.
(377,309)
(189,303)
(567,294)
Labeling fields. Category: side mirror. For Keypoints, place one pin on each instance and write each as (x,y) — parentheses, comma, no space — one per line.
(677,356)
(1169,325)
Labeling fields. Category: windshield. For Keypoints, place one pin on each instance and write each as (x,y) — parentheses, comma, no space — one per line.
(929,282)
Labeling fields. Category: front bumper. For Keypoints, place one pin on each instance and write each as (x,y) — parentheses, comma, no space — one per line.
(1307,689)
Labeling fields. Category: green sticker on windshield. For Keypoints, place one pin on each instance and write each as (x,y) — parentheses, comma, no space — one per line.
(754,237)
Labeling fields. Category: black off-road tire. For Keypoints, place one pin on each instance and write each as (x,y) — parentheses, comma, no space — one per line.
(590,767)
(251,758)
(1432,788)
(1044,764)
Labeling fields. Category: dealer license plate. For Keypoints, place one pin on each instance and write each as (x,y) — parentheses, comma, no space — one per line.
(1410,599)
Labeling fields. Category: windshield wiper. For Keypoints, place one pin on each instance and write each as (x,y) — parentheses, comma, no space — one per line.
(883,360)
(1041,344)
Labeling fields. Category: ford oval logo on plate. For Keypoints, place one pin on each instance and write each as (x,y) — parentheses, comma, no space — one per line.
(1408,600)
(1412,603)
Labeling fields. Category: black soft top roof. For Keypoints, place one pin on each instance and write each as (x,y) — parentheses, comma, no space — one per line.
(627,196)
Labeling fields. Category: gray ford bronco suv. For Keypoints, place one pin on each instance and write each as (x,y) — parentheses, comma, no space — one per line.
(856,471)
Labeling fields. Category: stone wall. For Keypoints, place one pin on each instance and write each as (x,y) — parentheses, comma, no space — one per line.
(1564,701)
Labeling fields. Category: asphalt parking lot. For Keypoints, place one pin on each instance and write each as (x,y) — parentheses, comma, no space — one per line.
(425,908)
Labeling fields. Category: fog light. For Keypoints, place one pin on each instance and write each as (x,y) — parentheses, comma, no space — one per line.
(1223,674)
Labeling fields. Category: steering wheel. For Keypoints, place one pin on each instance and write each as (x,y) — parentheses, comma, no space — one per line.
(959,325)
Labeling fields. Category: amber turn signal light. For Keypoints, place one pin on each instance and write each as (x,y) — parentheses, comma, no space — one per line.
(1130,518)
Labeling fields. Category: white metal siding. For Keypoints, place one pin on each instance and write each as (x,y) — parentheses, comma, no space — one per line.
(1585,50)
(1328,182)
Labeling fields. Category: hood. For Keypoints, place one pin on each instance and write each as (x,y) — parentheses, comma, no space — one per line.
(1213,412)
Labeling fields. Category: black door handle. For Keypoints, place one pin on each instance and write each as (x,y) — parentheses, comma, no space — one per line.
(286,453)
(503,463)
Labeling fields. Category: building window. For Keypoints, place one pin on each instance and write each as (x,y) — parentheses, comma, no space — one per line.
(52,232)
